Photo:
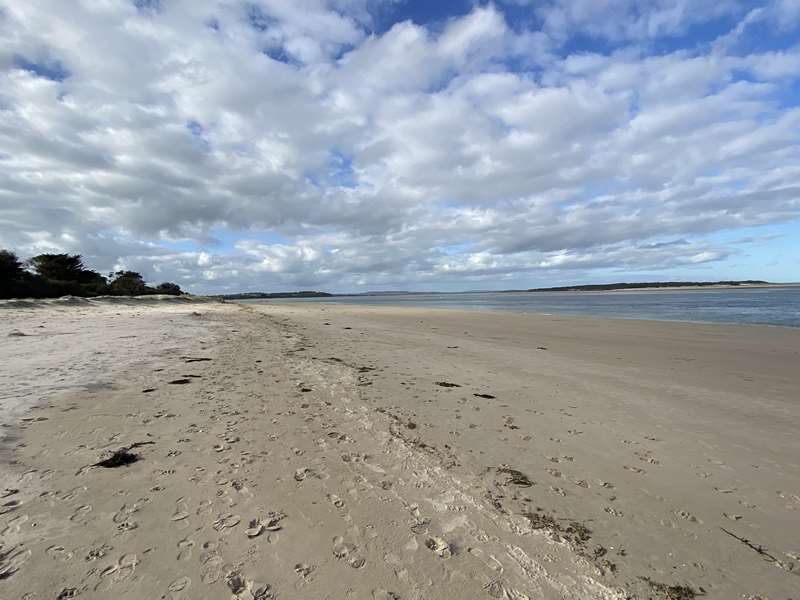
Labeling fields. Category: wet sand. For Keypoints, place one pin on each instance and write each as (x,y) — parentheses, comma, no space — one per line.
(320,451)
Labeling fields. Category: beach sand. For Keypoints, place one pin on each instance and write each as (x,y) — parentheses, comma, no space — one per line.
(323,451)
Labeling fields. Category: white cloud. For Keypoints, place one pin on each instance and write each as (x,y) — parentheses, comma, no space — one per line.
(627,19)
(473,152)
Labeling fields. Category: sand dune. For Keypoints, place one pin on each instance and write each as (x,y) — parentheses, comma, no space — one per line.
(297,451)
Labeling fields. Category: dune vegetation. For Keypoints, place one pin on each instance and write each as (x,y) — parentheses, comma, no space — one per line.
(55,275)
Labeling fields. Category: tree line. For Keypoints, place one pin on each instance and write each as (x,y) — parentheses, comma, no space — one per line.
(55,275)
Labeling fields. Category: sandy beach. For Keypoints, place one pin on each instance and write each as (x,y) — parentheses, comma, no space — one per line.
(204,450)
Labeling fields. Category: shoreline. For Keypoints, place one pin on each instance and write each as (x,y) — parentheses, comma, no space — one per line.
(677,288)
(483,310)
(400,452)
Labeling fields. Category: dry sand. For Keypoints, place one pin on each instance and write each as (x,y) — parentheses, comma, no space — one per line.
(322,451)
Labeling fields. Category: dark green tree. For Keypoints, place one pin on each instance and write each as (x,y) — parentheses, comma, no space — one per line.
(59,267)
(127,283)
(173,289)
(13,278)
(10,266)
(61,274)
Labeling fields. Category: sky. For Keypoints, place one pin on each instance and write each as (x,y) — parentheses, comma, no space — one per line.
(355,145)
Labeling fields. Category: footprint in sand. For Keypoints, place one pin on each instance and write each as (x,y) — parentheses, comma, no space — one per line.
(212,569)
(120,571)
(122,515)
(346,551)
(245,588)
(357,562)
(303,473)
(226,522)
(12,560)
(257,526)
(177,586)
(58,553)
(181,513)
(335,500)
(185,547)
(15,524)
(687,516)
(81,514)
(7,507)
(439,547)
(127,526)
(99,552)
(304,570)
(637,470)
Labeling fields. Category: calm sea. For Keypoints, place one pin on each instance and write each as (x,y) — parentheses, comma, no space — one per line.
(766,306)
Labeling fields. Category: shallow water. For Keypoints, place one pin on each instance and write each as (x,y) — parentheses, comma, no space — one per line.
(764,306)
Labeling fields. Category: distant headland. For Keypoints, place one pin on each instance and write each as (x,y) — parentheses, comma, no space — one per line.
(605,287)
(267,295)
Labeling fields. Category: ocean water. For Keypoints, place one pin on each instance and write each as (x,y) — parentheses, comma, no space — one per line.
(763,306)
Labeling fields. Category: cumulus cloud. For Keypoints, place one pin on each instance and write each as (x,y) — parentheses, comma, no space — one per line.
(231,144)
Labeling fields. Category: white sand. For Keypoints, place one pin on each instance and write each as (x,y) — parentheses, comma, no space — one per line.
(609,460)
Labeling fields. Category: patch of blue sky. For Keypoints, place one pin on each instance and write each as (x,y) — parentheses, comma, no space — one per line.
(788,94)
(603,187)
(314,180)
(757,234)
(765,36)
(225,240)
(147,6)
(584,43)
(258,19)
(178,245)
(195,128)
(697,36)
(456,249)
(422,12)
(221,240)
(442,83)
(197,132)
(278,53)
(451,203)
(340,170)
(762,252)
(53,70)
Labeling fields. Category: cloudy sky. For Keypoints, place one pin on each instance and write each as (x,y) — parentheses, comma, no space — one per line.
(351,145)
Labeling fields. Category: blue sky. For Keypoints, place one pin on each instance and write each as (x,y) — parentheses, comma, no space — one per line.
(385,144)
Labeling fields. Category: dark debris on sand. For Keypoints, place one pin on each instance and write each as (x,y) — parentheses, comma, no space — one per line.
(515,477)
(122,457)
(446,384)
(673,592)
(193,359)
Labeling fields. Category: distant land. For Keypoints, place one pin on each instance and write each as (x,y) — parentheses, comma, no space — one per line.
(601,287)
(261,295)
(311,294)
(649,285)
